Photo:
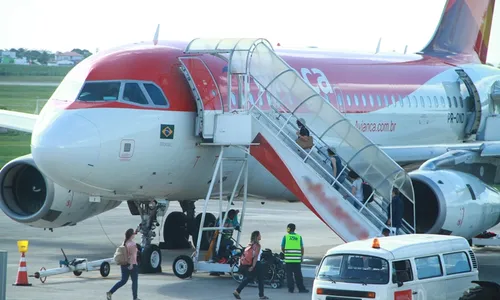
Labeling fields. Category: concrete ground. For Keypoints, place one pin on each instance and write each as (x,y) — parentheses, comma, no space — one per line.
(96,239)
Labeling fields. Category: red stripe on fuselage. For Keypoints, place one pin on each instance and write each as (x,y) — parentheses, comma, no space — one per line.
(349,73)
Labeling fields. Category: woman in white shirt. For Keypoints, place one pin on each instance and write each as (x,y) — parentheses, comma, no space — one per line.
(356,188)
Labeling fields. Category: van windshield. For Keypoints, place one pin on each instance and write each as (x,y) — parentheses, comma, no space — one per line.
(354,269)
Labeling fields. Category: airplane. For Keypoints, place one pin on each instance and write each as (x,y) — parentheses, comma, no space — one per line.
(130,124)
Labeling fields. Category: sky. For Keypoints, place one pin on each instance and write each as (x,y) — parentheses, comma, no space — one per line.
(353,25)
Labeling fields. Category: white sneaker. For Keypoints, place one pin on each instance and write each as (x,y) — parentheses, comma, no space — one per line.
(108,295)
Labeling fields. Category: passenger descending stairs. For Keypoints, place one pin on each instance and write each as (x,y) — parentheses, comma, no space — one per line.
(308,173)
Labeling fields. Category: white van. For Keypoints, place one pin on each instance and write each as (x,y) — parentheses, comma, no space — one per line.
(403,267)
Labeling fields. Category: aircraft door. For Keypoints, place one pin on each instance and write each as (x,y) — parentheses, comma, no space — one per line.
(205,92)
(472,102)
(339,101)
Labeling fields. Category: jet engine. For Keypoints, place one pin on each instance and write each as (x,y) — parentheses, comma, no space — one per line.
(453,203)
(29,197)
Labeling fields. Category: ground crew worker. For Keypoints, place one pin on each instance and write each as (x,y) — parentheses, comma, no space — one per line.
(293,248)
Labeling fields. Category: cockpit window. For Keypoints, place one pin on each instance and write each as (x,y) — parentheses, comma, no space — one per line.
(100,91)
(133,93)
(354,269)
(156,94)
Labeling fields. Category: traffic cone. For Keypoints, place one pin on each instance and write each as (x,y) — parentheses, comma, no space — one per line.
(22,272)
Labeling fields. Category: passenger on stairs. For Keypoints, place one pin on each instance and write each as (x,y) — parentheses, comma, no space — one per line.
(337,167)
(356,189)
(397,211)
(304,139)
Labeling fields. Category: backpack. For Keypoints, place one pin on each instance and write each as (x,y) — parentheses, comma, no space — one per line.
(247,256)
(367,192)
(121,255)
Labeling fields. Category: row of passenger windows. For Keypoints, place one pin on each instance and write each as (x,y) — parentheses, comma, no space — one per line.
(144,93)
(390,101)
(431,266)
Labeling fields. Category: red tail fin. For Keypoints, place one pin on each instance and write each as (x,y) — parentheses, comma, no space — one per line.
(464,31)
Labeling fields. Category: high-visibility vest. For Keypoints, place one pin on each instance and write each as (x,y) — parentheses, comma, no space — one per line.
(293,250)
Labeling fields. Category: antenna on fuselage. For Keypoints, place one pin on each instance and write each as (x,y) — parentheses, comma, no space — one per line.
(157,33)
(378,45)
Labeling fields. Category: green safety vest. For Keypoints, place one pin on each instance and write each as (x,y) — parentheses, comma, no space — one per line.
(293,250)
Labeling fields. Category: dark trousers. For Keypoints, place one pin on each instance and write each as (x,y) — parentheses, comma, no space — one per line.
(294,269)
(134,274)
(251,276)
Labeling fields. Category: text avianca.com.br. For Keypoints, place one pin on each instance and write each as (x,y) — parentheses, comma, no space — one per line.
(375,126)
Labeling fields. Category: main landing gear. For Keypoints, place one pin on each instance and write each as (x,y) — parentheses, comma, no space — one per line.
(180,225)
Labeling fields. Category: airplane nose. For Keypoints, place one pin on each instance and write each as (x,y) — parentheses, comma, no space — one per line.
(67,148)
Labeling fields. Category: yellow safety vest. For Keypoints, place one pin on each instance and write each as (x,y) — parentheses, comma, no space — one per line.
(293,250)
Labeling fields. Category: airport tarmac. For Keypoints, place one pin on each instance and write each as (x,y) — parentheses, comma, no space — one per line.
(91,240)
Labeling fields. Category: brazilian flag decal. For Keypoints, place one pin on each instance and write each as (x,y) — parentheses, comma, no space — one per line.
(167,131)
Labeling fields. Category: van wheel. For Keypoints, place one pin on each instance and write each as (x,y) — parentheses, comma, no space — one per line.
(480,293)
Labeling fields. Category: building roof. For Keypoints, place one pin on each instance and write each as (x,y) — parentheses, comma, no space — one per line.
(403,246)
(71,53)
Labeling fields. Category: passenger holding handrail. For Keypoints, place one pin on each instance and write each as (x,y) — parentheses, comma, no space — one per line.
(397,208)
(304,139)
(337,167)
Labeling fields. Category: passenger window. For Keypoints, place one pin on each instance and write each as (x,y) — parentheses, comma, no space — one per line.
(386,101)
(339,100)
(348,100)
(455,101)
(461,102)
(393,100)
(429,103)
(422,101)
(356,100)
(442,101)
(428,267)
(401,271)
(436,104)
(371,100)
(408,101)
(401,101)
(456,263)
(156,94)
(363,99)
(100,91)
(449,102)
(415,102)
(378,101)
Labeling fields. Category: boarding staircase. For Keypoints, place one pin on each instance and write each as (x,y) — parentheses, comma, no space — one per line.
(255,71)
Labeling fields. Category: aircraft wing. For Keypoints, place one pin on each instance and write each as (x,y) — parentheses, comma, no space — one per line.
(409,154)
(17,120)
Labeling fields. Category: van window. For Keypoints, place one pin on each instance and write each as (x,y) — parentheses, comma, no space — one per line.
(456,263)
(401,271)
(354,269)
(428,267)
(100,91)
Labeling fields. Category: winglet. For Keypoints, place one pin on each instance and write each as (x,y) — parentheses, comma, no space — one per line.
(155,39)
(378,45)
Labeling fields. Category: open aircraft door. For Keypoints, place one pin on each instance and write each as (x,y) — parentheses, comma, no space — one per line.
(205,92)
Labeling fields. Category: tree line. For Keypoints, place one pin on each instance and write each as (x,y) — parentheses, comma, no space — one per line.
(42,56)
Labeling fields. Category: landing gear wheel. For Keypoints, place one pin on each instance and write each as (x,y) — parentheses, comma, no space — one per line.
(151,259)
(105,269)
(480,293)
(77,273)
(206,236)
(175,231)
(183,266)
(275,285)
